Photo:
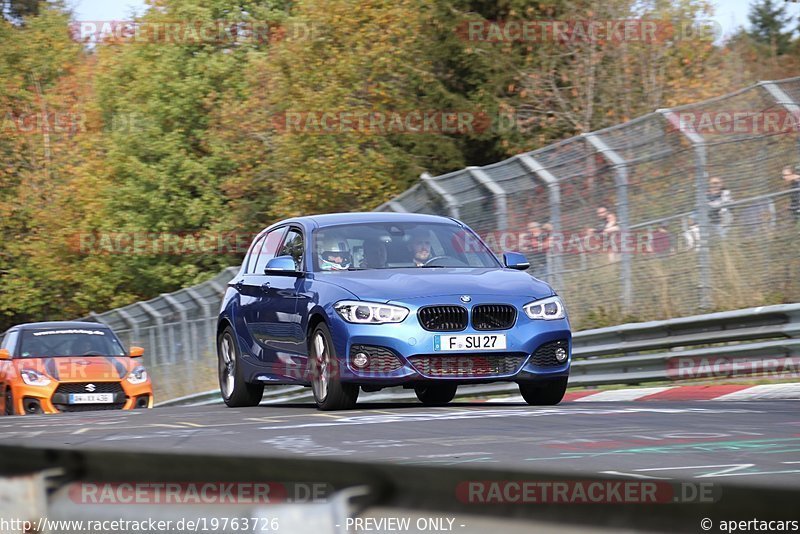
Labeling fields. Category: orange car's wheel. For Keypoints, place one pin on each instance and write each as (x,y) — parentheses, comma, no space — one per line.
(9,402)
(235,391)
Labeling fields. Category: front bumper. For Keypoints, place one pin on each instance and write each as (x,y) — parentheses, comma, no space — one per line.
(409,342)
(52,398)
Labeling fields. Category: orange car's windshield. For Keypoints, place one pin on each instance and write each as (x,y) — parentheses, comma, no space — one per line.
(69,342)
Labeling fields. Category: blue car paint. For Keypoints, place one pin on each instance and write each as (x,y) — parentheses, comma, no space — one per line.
(314,295)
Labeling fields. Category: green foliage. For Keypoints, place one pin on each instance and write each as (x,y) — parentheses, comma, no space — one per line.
(769,22)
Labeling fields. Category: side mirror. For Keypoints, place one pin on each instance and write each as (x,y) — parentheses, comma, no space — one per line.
(282,266)
(136,352)
(4,354)
(515,260)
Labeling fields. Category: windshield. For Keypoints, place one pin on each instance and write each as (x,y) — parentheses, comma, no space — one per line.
(69,342)
(399,245)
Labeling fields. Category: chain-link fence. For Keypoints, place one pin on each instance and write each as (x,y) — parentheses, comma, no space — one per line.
(678,212)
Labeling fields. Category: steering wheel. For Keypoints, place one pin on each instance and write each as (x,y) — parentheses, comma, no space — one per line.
(433,259)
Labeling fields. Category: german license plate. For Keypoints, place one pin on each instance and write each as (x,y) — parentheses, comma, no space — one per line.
(91,398)
(469,342)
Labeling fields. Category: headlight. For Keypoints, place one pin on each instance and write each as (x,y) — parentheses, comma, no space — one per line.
(34,378)
(138,376)
(548,309)
(355,311)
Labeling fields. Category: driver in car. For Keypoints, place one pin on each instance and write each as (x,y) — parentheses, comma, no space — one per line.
(333,255)
(421,248)
(83,346)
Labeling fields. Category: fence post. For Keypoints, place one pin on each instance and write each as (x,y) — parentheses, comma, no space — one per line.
(449,200)
(620,166)
(134,326)
(701,206)
(783,98)
(210,316)
(497,191)
(159,318)
(554,201)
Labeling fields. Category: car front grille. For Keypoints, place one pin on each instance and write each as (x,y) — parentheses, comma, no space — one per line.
(467,365)
(493,317)
(60,398)
(381,359)
(443,318)
(545,356)
(80,387)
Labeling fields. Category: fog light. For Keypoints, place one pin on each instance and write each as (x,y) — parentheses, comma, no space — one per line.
(561,354)
(32,406)
(360,360)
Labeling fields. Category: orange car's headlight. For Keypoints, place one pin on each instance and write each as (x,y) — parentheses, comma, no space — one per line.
(34,378)
(138,376)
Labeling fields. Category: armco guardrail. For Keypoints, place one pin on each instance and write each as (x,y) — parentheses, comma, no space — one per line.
(754,340)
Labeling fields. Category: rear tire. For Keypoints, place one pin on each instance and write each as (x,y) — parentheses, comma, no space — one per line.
(235,391)
(329,391)
(544,394)
(436,394)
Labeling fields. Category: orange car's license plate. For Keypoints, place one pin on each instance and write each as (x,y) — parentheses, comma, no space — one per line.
(91,398)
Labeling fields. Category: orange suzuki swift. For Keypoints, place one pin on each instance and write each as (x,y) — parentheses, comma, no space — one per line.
(70,367)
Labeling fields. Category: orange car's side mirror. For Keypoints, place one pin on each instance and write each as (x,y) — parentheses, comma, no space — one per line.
(4,354)
(137,352)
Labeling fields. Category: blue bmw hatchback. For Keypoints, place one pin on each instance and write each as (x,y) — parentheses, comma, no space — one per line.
(345,302)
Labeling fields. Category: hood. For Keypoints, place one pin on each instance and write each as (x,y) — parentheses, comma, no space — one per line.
(79,368)
(383,285)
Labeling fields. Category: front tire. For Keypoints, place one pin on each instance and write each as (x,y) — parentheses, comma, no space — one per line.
(329,391)
(436,394)
(9,408)
(235,391)
(544,394)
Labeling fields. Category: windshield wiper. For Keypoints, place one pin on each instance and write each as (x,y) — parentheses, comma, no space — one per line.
(434,266)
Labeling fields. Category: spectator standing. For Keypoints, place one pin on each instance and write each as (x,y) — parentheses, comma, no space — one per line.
(691,236)
(719,215)
(662,242)
(537,251)
(611,236)
(792,179)
(602,215)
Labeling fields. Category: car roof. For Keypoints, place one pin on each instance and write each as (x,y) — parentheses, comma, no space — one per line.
(59,324)
(330,219)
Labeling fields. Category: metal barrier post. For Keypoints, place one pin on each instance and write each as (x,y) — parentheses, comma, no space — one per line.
(620,166)
(554,201)
(784,99)
(497,191)
(701,207)
(449,200)
(159,318)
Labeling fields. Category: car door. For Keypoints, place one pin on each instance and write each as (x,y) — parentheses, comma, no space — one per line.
(287,339)
(254,303)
